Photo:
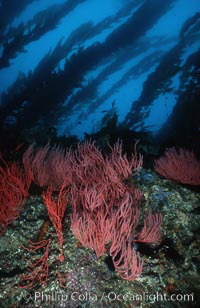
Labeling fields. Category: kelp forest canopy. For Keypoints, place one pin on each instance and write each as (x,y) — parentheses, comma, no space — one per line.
(80,67)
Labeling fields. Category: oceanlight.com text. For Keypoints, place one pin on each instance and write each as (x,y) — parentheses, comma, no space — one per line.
(61,297)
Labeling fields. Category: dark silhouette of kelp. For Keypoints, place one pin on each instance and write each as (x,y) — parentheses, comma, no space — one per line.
(15,40)
(159,81)
(182,127)
(38,97)
(9,9)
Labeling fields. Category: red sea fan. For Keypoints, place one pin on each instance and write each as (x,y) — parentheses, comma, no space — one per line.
(14,185)
(180,166)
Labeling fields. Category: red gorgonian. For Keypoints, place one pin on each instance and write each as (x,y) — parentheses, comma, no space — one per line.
(180,166)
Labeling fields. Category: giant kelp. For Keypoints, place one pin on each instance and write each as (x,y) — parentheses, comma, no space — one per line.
(183,124)
(16,38)
(38,97)
(185,115)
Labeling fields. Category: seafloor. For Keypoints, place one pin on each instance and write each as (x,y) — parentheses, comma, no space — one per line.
(170,276)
